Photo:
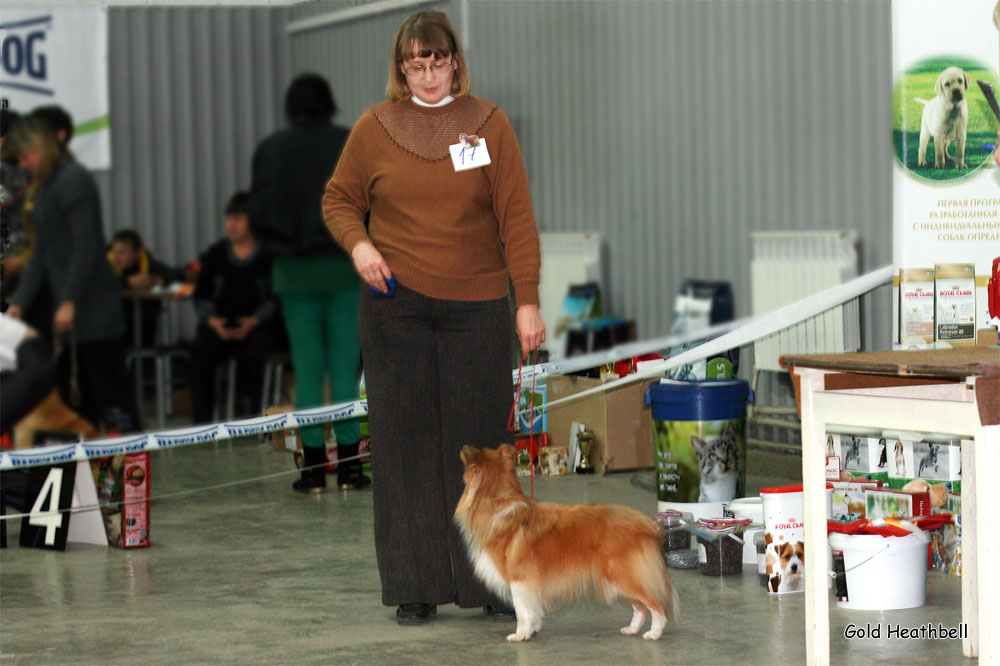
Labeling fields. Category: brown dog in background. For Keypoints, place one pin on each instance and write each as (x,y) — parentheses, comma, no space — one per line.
(533,553)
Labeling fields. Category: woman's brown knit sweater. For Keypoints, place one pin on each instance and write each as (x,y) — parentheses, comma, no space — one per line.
(444,234)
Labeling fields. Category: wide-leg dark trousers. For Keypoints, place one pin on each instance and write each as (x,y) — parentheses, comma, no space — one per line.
(438,377)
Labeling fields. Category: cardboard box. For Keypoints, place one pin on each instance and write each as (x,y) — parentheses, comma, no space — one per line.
(928,460)
(849,499)
(554,460)
(889,503)
(622,426)
(858,453)
(123,489)
(536,420)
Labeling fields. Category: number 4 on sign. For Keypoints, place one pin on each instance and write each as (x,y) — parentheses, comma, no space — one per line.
(47,524)
(57,490)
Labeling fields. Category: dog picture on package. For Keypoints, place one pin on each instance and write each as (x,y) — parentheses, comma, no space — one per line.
(786,561)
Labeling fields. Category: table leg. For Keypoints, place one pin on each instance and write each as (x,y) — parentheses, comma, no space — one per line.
(137,346)
(970,593)
(814,517)
(986,546)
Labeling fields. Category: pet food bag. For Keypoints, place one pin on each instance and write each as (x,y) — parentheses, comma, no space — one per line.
(700,443)
(784,536)
(916,305)
(955,304)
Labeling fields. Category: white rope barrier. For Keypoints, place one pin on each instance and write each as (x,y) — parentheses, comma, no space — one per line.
(730,335)
(755,329)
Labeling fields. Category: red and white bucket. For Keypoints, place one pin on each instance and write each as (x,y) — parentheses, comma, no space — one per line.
(784,536)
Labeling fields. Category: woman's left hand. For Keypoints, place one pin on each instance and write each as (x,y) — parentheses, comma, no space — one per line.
(530,328)
(63,321)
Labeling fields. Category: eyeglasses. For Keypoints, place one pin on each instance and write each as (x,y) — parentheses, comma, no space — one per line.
(436,69)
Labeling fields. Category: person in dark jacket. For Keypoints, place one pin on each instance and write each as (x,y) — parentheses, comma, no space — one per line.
(139,271)
(313,278)
(237,313)
(68,260)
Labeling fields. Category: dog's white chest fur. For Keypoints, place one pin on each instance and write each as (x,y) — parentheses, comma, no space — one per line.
(487,571)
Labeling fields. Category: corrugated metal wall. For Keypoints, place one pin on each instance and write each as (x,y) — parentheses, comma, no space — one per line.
(673,128)
(193,90)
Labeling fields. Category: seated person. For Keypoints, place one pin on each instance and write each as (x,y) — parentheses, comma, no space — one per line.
(139,271)
(237,312)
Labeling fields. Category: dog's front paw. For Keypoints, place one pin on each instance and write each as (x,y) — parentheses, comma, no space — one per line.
(652,635)
(629,631)
(519,636)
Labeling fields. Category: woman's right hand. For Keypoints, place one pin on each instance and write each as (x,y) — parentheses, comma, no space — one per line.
(370,265)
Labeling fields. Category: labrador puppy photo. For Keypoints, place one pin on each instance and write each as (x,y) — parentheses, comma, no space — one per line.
(945,118)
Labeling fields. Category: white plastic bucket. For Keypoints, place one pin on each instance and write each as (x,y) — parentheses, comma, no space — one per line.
(784,534)
(879,573)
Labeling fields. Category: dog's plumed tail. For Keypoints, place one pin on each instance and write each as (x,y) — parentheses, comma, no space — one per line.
(925,102)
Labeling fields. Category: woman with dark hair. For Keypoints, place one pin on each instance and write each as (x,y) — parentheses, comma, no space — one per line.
(438,351)
(68,260)
(312,277)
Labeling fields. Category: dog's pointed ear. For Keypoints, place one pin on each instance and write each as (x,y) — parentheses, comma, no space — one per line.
(468,454)
(508,454)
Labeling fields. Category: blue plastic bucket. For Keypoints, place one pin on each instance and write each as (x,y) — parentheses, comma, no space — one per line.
(699,435)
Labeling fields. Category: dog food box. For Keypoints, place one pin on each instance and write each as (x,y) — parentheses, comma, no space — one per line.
(849,499)
(859,449)
(783,537)
(536,418)
(923,456)
(554,460)
(123,491)
(955,304)
(890,503)
(916,305)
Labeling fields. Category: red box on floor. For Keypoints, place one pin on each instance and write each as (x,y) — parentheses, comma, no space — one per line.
(123,488)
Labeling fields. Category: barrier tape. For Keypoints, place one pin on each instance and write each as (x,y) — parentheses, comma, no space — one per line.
(171,439)
(755,329)
(730,335)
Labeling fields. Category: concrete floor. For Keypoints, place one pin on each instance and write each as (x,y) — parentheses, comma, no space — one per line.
(257,574)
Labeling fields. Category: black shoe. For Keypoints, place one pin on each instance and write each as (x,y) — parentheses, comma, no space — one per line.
(500,613)
(312,480)
(415,613)
(361,481)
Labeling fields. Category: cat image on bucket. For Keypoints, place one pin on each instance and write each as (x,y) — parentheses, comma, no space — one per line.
(700,461)
(718,466)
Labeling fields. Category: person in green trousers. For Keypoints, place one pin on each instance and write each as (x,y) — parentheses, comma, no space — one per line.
(314,279)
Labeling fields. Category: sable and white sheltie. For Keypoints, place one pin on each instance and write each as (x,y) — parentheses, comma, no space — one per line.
(533,553)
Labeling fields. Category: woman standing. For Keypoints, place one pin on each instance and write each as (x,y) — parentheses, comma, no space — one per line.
(437,351)
(68,261)
(313,278)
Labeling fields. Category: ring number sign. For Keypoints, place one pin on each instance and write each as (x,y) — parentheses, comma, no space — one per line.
(48,522)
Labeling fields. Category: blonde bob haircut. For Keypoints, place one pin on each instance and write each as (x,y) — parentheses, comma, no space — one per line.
(432,34)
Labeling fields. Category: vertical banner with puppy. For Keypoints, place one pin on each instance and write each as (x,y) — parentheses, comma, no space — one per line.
(946,186)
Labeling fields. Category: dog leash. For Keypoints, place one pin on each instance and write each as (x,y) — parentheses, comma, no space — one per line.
(512,425)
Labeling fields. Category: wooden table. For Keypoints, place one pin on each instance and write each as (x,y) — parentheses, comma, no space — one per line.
(954,391)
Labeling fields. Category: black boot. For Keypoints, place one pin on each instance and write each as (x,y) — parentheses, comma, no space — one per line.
(349,475)
(313,480)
